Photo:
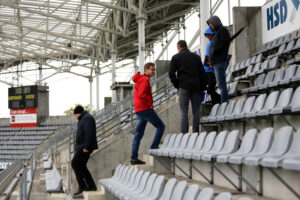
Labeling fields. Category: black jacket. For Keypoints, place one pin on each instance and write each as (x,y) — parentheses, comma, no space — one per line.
(220,42)
(86,133)
(190,71)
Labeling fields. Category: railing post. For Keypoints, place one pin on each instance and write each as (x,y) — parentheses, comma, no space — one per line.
(69,166)
(25,183)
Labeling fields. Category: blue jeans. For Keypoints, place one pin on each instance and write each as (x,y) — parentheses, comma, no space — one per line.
(220,73)
(142,118)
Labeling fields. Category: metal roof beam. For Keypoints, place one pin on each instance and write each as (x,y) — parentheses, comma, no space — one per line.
(163,5)
(111,6)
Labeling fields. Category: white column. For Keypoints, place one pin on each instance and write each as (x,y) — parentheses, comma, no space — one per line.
(40,74)
(91,94)
(113,73)
(204,15)
(141,19)
(97,86)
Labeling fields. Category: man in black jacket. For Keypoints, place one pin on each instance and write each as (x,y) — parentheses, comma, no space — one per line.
(85,143)
(218,53)
(190,81)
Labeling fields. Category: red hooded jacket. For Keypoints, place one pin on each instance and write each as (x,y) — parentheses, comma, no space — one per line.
(142,95)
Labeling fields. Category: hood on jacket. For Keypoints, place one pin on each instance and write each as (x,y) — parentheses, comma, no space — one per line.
(138,77)
(215,20)
(208,31)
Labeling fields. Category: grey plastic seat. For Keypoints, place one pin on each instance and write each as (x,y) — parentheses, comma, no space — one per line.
(293,152)
(294,106)
(281,49)
(281,143)
(230,146)
(181,146)
(237,109)
(255,69)
(247,108)
(258,58)
(190,145)
(283,101)
(127,185)
(175,145)
(258,82)
(297,45)
(48,163)
(278,77)
(233,89)
(53,181)
(192,192)
(119,168)
(246,146)
(120,193)
(179,190)
(290,46)
(252,60)
(218,145)
(268,79)
(258,105)
(220,112)
(273,64)
(156,190)
(228,77)
(206,194)
(228,111)
(270,103)
(296,77)
(291,163)
(168,190)
(248,62)
(242,65)
(247,73)
(172,139)
(262,145)
(119,179)
(224,196)
(164,145)
(124,181)
(213,113)
(197,147)
(289,74)
(264,66)
(208,143)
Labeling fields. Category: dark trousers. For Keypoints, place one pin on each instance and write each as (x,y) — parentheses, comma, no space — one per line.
(211,88)
(83,176)
(142,118)
(184,98)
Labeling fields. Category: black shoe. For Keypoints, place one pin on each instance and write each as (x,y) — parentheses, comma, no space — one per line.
(137,162)
(91,189)
(79,191)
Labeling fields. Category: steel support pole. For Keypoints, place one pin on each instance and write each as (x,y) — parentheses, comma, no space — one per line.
(97,86)
(204,15)
(141,19)
(91,93)
(40,74)
(113,73)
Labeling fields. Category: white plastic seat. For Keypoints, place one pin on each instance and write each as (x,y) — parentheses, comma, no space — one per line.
(237,109)
(270,103)
(247,108)
(182,145)
(289,74)
(190,145)
(230,146)
(163,146)
(212,113)
(291,163)
(168,190)
(262,145)
(53,181)
(268,79)
(296,77)
(175,145)
(159,152)
(192,192)
(224,196)
(278,77)
(220,112)
(281,143)
(123,182)
(128,184)
(137,180)
(110,184)
(48,163)
(206,194)
(248,142)
(228,110)
(208,143)
(293,152)
(179,190)
(218,145)
(283,101)
(117,171)
(197,147)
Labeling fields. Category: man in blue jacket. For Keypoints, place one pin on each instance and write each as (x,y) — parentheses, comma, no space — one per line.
(211,79)
(218,52)
(85,144)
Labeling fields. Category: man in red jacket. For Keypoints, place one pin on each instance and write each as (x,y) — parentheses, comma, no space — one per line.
(143,105)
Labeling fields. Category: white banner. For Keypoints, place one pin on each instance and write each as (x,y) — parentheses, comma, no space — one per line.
(23,117)
(4,165)
(279,17)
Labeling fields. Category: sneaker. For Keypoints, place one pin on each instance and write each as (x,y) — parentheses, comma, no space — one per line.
(137,162)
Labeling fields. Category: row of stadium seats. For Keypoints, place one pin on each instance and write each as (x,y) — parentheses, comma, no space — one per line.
(130,183)
(52,177)
(265,148)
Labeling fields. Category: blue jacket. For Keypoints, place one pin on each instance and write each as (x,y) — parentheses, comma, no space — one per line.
(206,67)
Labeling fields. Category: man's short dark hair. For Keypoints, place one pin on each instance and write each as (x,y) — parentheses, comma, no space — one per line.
(148,65)
(182,44)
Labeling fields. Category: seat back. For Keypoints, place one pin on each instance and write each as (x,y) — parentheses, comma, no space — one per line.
(191,142)
(256,67)
(248,141)
(290,45)
(209,141)
(295,100)
(297,43)
(231,143)
(222,109)
(171,141)
(248,104)
(284,98)
(269,77)
(206,194)
(125,171)
(273,63)
(179,190)
(282,141)
(271,100)
(224,196)
(290,72)
(214,110)
(233,88)
(184,141)
(128,175)
(248,62)
(219,142)
(157,187)
(249,70)
(295,146)
(279,75)
(239,106)
(143,182)
(265,65)
(263,142)
(230,108)
(137,179)
(177,141)
(258,58)
(281,49)
(260,80)
(228,77)
(252,61)
(192,192)
(200,141)
(168,190)
(132,177)
(297,74)
(166,141)
(149,184)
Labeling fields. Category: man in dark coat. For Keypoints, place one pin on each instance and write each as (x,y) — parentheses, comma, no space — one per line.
(85,144)
(218,52)
(190,81)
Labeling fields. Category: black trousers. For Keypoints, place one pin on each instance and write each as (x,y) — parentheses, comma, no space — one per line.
(83,176)
(211,88)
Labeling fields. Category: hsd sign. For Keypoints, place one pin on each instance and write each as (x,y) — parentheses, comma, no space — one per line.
(280,17)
